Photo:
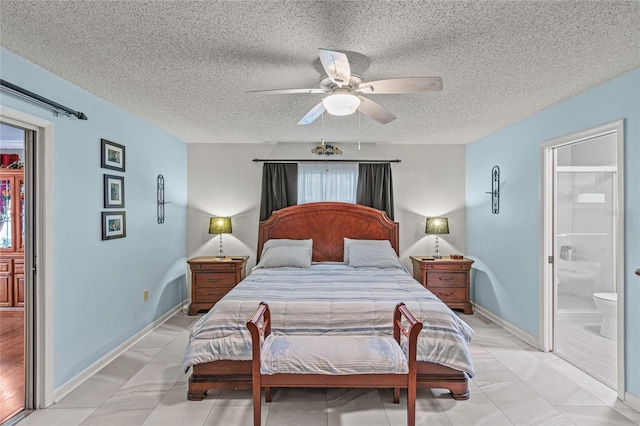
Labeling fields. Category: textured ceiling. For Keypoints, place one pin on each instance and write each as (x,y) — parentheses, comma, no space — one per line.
(185,65)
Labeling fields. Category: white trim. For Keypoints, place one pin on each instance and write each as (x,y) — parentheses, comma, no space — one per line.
(620,278)
(533,341)
(44,251)
(545,314)
(546,287)
(86,374)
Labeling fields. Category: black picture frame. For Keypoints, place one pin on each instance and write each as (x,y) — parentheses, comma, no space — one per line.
(112,155)
(114,225)
(113,192)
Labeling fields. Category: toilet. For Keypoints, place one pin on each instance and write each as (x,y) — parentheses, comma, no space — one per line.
(608,304)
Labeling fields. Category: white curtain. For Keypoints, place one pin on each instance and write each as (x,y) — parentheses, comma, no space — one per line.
(327,182)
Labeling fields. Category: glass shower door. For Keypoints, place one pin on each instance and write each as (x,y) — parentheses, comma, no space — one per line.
(585,236)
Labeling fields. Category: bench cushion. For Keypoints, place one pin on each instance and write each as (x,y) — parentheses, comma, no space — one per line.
(332,355)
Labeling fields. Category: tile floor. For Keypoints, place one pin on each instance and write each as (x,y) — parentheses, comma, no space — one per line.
(578,341)
(515,384)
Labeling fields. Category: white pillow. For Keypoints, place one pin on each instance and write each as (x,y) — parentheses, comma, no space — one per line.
(348,242)
(377,256)
(281,256)
(287,242)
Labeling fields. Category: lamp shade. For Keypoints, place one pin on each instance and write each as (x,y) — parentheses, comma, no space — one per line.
(220,225)
(437,225)
(341,103)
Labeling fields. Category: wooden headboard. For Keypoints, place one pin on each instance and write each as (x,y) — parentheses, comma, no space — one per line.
(328,223)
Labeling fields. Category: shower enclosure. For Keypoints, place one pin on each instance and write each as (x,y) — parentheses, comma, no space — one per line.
(585,238)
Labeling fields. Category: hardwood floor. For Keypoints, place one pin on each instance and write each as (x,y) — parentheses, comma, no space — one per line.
(12,363)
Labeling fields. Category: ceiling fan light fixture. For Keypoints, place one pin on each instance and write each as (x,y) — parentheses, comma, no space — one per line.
(341,103)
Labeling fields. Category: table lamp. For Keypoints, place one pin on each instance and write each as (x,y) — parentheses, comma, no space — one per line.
(436,226)
(220,225)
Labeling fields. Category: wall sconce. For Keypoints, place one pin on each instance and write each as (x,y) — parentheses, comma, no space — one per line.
(160,196)
(220,225)
(495,190)
(437,226)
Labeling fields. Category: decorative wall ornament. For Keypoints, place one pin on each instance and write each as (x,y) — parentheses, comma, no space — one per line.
(495,190)
(326,149)
(161,201)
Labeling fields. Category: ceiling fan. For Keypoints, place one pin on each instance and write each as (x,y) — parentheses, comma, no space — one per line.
(343,90)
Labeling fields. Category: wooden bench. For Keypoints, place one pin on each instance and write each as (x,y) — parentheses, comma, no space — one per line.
(328,360)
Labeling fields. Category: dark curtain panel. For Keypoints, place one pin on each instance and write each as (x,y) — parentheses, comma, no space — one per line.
(375,187)
(279,187)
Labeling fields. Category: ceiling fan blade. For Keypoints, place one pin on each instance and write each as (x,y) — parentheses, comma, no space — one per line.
(375,111)
(286,91)
(401,85)
(314,113)
(336,65)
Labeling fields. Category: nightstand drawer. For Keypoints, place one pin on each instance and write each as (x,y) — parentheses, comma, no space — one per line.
(452,279)
(211,294)
(215,279)
(455,294)
(214,267)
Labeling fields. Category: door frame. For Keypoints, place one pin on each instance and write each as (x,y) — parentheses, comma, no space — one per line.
(546,288)
(39,261)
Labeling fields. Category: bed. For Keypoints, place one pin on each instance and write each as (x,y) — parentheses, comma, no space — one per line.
(219,349)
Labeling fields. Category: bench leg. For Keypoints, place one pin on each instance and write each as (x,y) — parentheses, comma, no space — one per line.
(411,404)
(256,402)
(267,394)
(396,395)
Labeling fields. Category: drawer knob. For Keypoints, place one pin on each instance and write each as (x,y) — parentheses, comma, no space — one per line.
(213,280)
(445,279)
(446,294)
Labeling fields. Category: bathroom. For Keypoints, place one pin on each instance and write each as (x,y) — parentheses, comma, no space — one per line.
(586,222)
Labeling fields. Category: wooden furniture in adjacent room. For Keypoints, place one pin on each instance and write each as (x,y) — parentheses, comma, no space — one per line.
(327,224)
(212,278)
(11,238)
(446,278)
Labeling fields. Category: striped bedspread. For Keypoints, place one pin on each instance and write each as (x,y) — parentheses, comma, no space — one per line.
(329,298)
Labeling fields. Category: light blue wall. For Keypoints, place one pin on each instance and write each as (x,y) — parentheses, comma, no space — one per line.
(99,285)
(505,246)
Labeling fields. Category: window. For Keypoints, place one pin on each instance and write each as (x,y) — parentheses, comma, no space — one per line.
(327,182)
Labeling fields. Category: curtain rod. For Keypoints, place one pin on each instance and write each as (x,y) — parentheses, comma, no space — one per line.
(337,160)
(42,101)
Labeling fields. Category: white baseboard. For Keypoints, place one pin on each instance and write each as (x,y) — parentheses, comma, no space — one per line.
(83,376)
(533,341)
(632,401)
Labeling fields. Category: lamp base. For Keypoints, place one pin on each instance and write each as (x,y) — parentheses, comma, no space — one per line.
(437,256)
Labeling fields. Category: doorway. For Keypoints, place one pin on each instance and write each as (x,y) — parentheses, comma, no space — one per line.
(582,306)
(12,271)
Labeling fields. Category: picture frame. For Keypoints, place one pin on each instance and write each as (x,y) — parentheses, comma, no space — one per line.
(113,192)
(114,225)
(112,155)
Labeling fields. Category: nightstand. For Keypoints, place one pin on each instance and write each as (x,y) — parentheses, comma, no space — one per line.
(446,278)
(212,278)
